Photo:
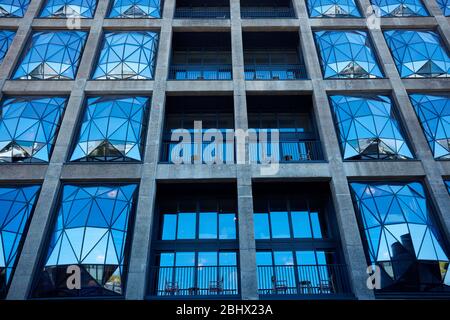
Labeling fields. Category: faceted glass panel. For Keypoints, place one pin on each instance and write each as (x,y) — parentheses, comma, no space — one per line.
(400,8)
(16,206)
(28,128)
(136,9)
(6,38)
(418,54)
(333,8)
(69,9)
(368,128)
(13,8)
(445,6)
(112,129)
(52,55)
(90,233)
(127,55)
(347,54)
(401,236)
(447,183)
(434,116)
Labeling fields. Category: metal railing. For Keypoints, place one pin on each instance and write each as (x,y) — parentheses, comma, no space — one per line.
(202,13)
(200,72)
(286,151)
(267,12)
(194,281)
(303,279)
(275,72)
(207,154)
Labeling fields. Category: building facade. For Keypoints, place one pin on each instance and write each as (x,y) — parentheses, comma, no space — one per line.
(310,159)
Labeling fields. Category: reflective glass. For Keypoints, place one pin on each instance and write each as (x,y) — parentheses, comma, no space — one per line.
(333,8)
(400,8)
(186,226)
(227,226)
(16,206)
(112,129)
(127,55)
(28,128)
(6,38)
(262,226)
(433,112)
(136,9)
(301,225)
(69,9)
(13,8)
(347,54)
(418,54)
(368,128)
(280,224)
(90,232)
(401,235)
(169,227)
(448,185)
(208,225)
(52,55)
(445,6)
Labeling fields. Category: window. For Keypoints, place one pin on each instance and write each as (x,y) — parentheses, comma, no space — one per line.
(136,9)
(333,9)
(91,232)
(368,128)
(69,9)
(112,129)
(13,8)
(52,55)
(127,55)
(28,128)
(401,236)
(16,206)
(6,38)
(445,6)
(400,8)
(347,54)
(447,183)
(434,115)
(418,54)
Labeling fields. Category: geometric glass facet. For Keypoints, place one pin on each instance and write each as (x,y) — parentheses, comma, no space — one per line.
(13,8)
(401,236)
(16,206)
(400,8)
(127,55)
(112,129)
(91,234)
(445,6)
(51,55)
(418,53)
(136,9)
(368,128)
(447,183)
(69,9)
(6,37)
(333,9)
(347,54)
(433,112)
(28,127)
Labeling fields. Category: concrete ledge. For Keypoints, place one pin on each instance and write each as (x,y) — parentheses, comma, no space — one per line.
(383,169)
(51,24)
(119,87)
(275,85)
(409,23)
(362,85)
(199,25)
(200,86)
(337,23)
(309,171)
(268,25)
(195,171)
(131,24)
(445,167)
(435,84)
(22,172)
(10,23)
(47,87)
(101,171)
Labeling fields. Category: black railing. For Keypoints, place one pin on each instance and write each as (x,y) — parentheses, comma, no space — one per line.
(303,280)
(172,152)
(202,13)
(194,281)
(200,72)
(267,12)
(286,151)
(275,72)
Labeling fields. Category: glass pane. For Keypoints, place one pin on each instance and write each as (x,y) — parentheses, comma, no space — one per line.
(262,226)
(186,225)
(317,230)
(208,225)
(300,224)
(264,258)
(169,226)
(227,226)
(227,259)
(280,224)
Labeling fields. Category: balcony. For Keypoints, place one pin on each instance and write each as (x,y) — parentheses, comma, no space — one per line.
(275,72)
(194,281)
(251,9)
(171,153)
(286,151)
(202,13)
(200,72)
(301,280)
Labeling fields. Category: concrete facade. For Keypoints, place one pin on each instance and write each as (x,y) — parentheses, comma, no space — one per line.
(334,170)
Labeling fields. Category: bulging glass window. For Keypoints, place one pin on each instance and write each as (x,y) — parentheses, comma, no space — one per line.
(69,9)
(333,9)
(28,128)
(52,55)
(89,240)
(136,9)
(13,8)
(6,38)
(445,6)
(400,8)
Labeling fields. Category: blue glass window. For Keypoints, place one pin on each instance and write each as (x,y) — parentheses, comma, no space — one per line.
(112,129)
(368,128)
(127,55)
(13,8)
(52,55)
(90,232)
(400,8)
(418,54)
(136,9)
(16,206)
(447,183)
(332,8)
(445,6)
(6,38)
(69,9)
(28,128)
(401,236)
(347,54)
(434,116)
